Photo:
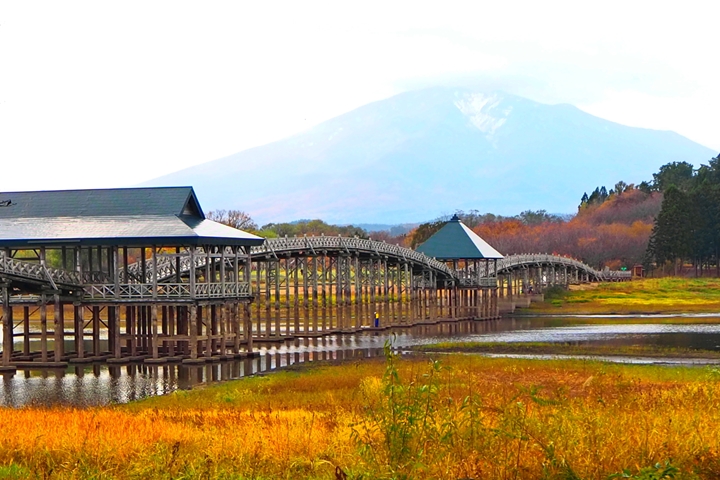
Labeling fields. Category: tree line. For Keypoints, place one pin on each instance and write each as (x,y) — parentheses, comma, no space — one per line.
(687,228)
(663,222)
(243,221)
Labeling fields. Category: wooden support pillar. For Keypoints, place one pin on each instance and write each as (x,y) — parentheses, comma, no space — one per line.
(58,328)
(170,329)
(26,327)
(296,297)
(323,267)
(204,335)
(114,325)
(313,301)
(211,328)
(276,268)
(287,295)
(386,292)
(258,296)
(247,314)
(96,331)
(79,323)
(7,326)
(224,318)
(268,316)
(306,294)
(154,321)
(193,331)
(130,330)
(338,293)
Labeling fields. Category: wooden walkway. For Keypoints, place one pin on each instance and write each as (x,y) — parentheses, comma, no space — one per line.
(203,304)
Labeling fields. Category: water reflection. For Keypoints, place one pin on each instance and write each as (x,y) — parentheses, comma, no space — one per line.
(99,384)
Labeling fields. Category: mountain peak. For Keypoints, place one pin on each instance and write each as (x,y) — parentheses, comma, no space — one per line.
(422,154)
(486,112)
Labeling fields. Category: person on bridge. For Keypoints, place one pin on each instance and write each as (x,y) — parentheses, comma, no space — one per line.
(377,320)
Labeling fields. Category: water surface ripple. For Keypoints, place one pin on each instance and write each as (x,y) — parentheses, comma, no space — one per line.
(101,384)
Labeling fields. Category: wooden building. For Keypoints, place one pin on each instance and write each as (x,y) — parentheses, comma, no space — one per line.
(77,262)
(473,260)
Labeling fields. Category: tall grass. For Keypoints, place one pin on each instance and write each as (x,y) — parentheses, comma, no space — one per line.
(465,417)
(648,295)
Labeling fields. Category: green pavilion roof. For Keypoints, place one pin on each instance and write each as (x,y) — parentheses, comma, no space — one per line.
(455,241)
(123,216)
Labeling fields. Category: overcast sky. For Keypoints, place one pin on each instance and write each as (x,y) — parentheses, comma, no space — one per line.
(109,94)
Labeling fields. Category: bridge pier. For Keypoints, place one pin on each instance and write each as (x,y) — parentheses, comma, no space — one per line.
(160,304)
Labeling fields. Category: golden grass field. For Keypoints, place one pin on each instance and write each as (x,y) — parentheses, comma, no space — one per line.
(654,295)
(467,417)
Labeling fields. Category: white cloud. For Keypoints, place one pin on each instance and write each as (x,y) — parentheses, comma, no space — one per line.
(102,94)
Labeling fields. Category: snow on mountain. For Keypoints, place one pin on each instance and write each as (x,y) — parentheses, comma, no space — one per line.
(484,111)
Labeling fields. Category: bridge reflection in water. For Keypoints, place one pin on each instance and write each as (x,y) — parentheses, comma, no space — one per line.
(102,384)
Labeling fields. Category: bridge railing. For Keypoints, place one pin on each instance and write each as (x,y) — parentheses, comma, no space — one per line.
(167,264)
(348,244)
(166,291)
(610,275)
(485,282)
(38,272)
(511,261)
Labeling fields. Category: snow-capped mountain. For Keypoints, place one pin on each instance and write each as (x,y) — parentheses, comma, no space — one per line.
(422,154)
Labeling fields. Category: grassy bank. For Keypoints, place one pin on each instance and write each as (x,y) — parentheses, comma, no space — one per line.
(663,295)
(467,417)
(556,348)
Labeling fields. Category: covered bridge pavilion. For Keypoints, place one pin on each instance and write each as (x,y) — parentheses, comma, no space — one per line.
(473,259)
(74,261)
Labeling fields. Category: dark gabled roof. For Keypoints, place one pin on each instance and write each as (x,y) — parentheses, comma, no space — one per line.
(455,241)
(128,216)
(110,202)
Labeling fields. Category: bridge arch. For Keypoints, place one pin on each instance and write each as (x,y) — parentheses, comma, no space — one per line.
(518,273)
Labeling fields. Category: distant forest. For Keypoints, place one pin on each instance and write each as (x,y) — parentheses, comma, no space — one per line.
(663,223)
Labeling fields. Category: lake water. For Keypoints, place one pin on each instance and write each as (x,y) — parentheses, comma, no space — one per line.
(100,384)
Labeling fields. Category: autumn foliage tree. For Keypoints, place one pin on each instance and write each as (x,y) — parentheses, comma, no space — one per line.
(613,232)
(233,218)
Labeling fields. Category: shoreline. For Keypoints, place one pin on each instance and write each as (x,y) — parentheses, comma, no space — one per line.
(571,349)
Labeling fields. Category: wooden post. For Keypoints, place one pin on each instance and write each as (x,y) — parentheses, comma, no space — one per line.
(26,328)
(268,316)
(386,293)
(358,293)
(338,292)
(306,302)
(222,320)
(96,330)
(276,311)
(315,294)
(324,292)
(172,330)
(154,320)
(114,323)
(208,312)
(212,328)
(193,333)
(7,326)
(296,299)
(247,314)
(58,328)
(79,331)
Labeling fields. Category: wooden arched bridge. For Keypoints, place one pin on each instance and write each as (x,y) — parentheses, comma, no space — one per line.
(331,246)
(301,286)
(194,290)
